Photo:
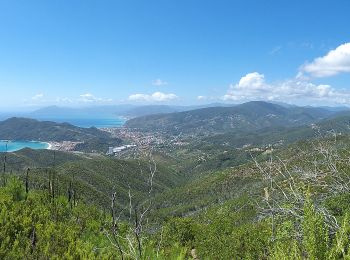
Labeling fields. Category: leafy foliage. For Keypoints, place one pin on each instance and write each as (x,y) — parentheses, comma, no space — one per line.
(34,226)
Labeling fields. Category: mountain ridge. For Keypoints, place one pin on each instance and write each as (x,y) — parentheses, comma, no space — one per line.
(251,115)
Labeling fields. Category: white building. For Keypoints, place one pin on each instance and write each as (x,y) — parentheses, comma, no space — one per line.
(115,150)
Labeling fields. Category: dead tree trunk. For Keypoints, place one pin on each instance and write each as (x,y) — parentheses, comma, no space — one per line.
(115,228)
(27,181)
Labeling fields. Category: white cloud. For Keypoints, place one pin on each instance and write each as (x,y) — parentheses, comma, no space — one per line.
(63,100)
(254,87)
(139,97)
(253,81)
(336,61)
(156,97)
(275,50)
(159,82)
(201,98)
(90,98)
(38,96)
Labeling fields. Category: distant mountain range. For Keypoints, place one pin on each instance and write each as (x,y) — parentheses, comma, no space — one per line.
(129,111)
(250,116)
(70,112)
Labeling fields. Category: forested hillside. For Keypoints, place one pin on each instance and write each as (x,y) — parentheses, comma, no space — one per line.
(245,117)
(94,177)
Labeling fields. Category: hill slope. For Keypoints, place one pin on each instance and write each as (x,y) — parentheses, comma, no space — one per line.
(248,117)
(20,160)
(94,177)
(94,180)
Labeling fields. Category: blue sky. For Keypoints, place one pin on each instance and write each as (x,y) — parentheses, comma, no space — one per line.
(74,53)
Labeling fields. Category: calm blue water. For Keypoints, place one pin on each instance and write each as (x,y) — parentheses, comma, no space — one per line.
(89,122)
(13,146)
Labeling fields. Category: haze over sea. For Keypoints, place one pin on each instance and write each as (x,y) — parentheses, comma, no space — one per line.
(88,122)
(80,121)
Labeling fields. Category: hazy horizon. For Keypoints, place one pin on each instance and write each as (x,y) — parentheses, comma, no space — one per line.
(28,111)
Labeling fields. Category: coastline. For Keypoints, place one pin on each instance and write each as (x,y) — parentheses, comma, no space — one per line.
(49,146)
(66,146)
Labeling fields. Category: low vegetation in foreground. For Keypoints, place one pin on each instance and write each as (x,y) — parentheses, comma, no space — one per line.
(294,205)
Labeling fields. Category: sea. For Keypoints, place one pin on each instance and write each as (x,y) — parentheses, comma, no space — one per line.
(89,122)
(12,146)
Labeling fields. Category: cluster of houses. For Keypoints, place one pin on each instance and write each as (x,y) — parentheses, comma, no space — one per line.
(116,150)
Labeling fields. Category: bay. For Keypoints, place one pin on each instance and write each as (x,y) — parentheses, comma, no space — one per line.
(84,122)
(13,146)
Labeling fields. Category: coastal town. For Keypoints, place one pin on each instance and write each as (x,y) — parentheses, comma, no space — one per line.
(66,146)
